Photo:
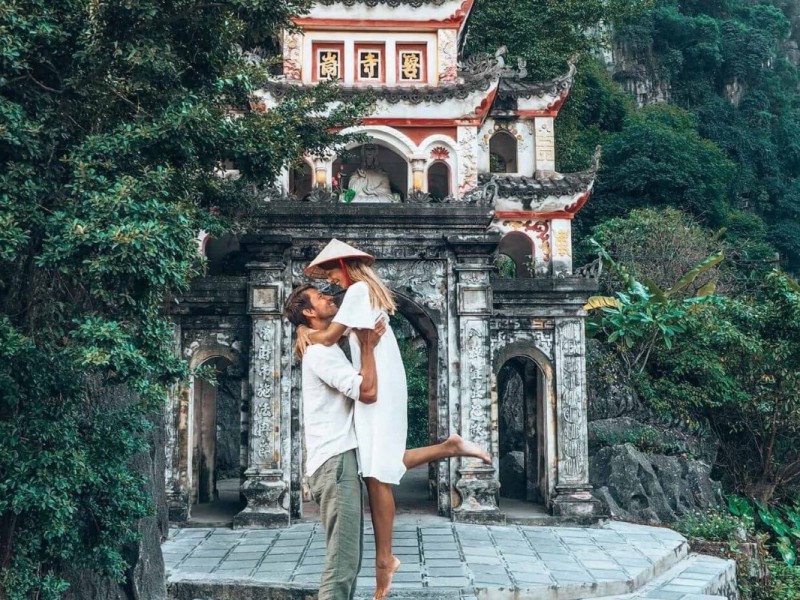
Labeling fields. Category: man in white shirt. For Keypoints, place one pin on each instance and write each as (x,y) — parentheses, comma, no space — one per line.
(330,387)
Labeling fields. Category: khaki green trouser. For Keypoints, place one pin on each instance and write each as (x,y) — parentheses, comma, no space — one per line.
(336,487)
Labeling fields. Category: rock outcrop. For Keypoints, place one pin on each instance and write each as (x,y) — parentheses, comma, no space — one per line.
(651,488)
(642,469)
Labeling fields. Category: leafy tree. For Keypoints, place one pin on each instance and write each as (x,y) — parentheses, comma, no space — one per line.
(662,245)
(658,159)
(738,366)
(595,109)
(114,117)
(546,33)
(644,317)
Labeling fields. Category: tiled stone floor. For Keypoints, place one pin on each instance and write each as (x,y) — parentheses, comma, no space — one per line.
(445,560)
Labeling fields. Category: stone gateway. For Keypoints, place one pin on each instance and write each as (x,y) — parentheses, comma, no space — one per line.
(458,176)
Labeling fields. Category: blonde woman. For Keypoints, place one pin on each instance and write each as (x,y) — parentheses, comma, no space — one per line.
(380,427)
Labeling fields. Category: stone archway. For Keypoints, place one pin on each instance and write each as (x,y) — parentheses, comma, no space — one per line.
(413,490)
(526,423)
(215,442)
(519,430)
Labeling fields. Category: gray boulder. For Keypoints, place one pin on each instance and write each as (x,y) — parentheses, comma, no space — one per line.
(651,488)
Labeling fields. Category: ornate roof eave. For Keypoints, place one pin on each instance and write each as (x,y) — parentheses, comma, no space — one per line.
(556,194)
(520,88)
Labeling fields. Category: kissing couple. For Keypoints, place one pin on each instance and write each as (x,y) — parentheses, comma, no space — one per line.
(355,414)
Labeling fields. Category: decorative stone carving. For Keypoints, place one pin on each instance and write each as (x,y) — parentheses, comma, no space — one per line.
(572,422)
(422,279)
(320,195)
(574,496)
(418,197)
(292,55)
(448,55)
(478,487)
(468,153)
(265,490)
(370,182)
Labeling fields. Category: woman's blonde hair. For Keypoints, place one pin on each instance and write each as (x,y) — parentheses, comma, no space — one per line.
(380,295)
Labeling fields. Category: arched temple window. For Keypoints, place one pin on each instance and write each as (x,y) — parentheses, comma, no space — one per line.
(519,248)
(439,180)
(301,180)
(373,157)
(503,153)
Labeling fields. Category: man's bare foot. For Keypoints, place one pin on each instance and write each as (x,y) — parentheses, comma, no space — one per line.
(463,448)
(383,578)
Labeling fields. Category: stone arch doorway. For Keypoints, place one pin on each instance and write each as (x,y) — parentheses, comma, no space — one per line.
(526,428)
(419,344)
(520,249)
(214,440)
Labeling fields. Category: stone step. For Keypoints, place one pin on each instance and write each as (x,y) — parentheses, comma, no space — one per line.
(698,577)
(443,561)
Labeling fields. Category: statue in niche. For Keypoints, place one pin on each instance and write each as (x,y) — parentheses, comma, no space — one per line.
(370,183)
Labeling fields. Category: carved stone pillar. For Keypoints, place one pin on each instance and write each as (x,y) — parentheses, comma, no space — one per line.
(177,452)
(573,490)
(544,137)
(478,484)
(266,478)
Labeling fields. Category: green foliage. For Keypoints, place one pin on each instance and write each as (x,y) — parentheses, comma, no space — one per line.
(645,317)
(595,109)
(545,32)
(725,62)
(506,267)
(738,365)
(715,526)
(113,119)
(645,438)
(659,160)
(780,523)
(415,361)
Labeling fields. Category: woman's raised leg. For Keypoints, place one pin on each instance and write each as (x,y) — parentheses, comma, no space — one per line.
(453,446)
(381,506)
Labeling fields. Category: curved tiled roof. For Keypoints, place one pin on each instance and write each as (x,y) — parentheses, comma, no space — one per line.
(532,189)
(521,88)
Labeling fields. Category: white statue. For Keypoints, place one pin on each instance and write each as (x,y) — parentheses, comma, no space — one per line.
(369,182)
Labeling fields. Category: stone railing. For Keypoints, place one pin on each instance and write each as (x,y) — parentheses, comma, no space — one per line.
(483,195)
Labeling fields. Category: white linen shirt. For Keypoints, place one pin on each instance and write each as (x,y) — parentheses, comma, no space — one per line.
(330,387)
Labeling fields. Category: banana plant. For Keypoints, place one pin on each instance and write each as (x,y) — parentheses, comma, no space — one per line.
(644,315)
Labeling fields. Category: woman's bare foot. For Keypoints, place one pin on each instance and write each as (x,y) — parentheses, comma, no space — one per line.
(383,578)
(464,448)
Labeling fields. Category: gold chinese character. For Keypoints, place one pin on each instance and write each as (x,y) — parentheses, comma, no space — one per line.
(329,64)
(410,66)
(369,62)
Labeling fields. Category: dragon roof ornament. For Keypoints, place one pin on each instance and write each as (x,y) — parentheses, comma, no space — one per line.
(515,87)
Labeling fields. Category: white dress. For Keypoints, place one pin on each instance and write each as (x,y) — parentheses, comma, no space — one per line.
(381,427)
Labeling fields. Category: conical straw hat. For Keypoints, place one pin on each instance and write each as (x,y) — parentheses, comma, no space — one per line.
(334,251)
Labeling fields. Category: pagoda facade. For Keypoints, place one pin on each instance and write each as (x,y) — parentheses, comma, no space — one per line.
(458,169)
